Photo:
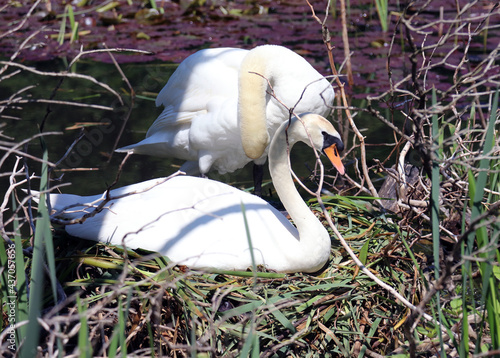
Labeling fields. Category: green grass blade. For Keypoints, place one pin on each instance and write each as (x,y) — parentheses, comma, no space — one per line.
(435,190)
(113,342)
(71,16)
(118,338)
(249,238)
(413,258)
(51,262)
(72,23)
(251,346)
(21,284)
(42,234)
(480,183)
(13,284)
(74,33)
(62,30)
(435,182)
(363,253)
(464,342)
(85,349)
(283,320)
(382,12)
(490,292)
(255,346)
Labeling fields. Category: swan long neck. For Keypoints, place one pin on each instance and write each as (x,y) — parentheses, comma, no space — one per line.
(255,72)
(314,239)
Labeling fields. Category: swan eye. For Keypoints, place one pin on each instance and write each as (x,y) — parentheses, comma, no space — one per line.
(329,140)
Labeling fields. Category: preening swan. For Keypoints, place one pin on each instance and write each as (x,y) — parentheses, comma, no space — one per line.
(213,89)
(199,222)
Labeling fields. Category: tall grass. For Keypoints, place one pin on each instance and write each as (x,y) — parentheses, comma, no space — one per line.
(73,25)
(483,241)
(383,13)
(43,251)
(437,146)
(475,301)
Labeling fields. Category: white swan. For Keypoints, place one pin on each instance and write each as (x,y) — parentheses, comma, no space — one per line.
(211,88)
(199,222)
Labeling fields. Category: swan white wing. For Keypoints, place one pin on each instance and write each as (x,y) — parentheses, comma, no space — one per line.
(201,82)
(196,222)
(205,75)
(216,138)
(166,143)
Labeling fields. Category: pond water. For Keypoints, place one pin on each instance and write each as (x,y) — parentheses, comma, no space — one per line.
(91,165)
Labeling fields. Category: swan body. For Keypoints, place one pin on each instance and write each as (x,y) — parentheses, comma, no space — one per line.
(200,223)
(213,91)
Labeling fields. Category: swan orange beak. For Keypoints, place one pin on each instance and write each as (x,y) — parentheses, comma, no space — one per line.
(333,154)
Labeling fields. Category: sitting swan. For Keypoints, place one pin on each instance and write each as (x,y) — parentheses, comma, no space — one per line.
(212,88)
(199,222)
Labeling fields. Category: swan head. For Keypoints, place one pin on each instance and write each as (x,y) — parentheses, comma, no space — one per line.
(318,131)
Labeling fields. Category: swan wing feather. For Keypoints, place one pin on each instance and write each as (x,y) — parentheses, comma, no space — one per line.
(193,221)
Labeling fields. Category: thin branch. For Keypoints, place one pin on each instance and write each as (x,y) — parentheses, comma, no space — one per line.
(63,74)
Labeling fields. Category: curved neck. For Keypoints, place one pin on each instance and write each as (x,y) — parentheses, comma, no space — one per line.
(255,72)
(314,238)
